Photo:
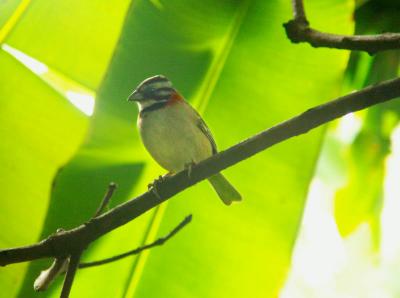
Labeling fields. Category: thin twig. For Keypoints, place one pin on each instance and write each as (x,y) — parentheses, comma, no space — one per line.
(299,14)
(60,265)
(107,197)
(298,30)
(47,276)
(62,244)
(158,242)
(69,278)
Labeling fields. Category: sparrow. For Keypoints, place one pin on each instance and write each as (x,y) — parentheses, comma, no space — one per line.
(174,133)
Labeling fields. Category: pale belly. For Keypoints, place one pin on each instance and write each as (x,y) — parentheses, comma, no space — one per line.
(173,138)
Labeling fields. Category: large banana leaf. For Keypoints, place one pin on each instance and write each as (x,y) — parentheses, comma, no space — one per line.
(41,130)
(74,37)
(7,9)
(233,61)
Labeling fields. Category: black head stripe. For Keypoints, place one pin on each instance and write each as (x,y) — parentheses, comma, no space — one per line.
(153,80)
(157,88)
(153,107)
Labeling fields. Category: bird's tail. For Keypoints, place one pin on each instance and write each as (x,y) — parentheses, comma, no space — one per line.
(224,189)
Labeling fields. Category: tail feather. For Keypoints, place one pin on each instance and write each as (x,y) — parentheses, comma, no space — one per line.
(224,189)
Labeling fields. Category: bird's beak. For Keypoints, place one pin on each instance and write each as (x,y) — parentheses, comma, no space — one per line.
(135,96)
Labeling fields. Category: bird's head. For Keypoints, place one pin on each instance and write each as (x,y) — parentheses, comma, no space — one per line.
(152,90)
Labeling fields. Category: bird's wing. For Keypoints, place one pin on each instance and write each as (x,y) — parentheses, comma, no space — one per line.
(204,128)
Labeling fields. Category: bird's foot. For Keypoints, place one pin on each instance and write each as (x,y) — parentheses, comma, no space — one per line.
(153,186)
(189,167)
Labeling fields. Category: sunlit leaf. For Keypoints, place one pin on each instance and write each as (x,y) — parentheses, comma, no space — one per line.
(78,95)
(10,13)
(245,250)
(40,129)
(238,69)
(360,199)
(75,37)
(232,60)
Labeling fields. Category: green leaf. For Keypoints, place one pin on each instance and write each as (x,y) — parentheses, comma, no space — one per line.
(75,37)
(360,199)
(40,129)
(244,250)
(7,9)
(237,59)
(233,61)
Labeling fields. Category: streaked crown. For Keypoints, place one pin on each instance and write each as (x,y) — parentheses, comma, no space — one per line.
(153,88)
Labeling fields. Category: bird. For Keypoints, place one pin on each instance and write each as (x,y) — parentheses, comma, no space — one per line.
(174,133)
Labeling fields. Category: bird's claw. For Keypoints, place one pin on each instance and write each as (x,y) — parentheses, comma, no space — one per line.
(153,186)
(189,167)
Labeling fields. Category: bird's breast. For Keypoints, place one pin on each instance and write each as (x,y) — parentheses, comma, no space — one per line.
(172,136)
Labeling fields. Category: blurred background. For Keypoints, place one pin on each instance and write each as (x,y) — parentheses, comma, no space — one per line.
(319,215)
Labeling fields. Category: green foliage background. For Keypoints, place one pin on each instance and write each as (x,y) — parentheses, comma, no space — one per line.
(233,62)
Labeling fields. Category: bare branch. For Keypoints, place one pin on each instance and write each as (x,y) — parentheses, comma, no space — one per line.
(60,265)
(107,197)
(158,242)
(69,278)
(66,242)
(47,276)
(299,13)
(298,30)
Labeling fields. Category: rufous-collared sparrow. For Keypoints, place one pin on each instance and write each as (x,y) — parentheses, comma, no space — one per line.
(174,133)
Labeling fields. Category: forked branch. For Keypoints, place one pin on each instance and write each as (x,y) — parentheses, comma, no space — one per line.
(298,30)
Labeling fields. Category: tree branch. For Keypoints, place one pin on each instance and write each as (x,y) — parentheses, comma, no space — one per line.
(298,30)
(60,265)
(47,276)
(158,242)
(107,197)
(69,278)
(66,243)
(299,13)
